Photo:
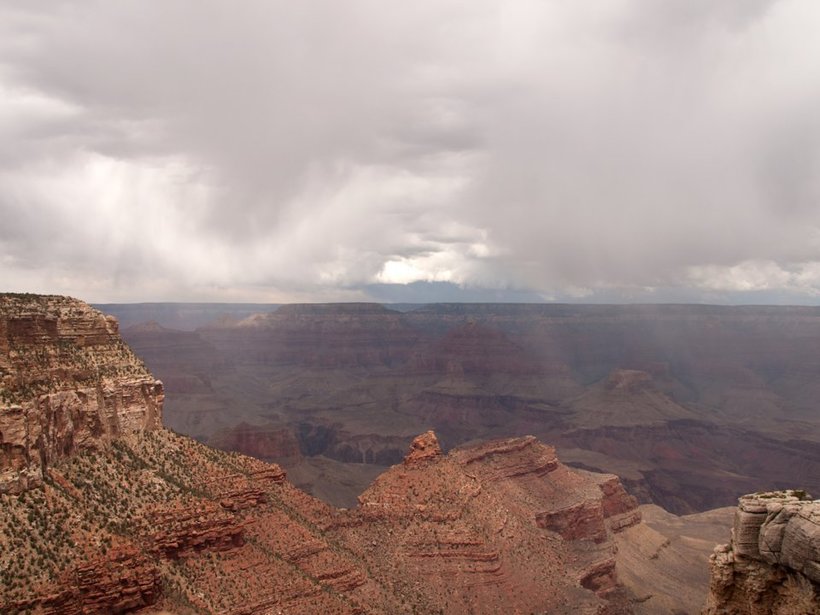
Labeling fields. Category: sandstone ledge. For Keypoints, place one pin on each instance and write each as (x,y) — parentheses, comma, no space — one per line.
(772,564)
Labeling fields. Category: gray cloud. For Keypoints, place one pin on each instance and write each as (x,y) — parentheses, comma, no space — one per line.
(323,150)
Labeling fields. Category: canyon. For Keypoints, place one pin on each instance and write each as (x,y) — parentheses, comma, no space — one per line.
(104,510)
(692,406)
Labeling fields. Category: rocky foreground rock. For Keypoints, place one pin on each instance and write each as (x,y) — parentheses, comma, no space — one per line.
(160,521)
(772,564)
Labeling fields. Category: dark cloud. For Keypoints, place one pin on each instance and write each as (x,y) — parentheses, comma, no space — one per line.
(323,150)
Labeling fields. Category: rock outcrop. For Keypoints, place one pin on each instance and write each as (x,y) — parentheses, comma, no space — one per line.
(182,531)
(67,381)
(465,529)
(772,564)
(423,448)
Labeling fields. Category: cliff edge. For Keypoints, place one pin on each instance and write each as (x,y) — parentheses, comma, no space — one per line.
(67,382)
(772,564)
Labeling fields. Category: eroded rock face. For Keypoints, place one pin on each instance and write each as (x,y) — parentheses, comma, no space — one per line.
(67,381)
(185,530)
(467,529)
(206,531)
(772,564)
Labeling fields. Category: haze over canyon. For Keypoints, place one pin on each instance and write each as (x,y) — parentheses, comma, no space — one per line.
(692,406)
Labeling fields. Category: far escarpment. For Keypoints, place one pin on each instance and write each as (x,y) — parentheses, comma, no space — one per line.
(691,405)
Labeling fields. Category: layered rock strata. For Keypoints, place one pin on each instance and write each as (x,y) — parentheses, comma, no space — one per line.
(772,564)
(67,381)
(467,528)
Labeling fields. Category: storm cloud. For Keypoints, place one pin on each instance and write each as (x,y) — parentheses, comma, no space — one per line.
(322,150)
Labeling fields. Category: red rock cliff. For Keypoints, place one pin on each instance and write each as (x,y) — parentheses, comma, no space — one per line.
(465,529)
(67,381)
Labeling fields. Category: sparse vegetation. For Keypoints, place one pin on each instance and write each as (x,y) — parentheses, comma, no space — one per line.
(101,497)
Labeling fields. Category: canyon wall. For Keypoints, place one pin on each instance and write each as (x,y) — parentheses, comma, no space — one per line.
(104,511)
(67,381)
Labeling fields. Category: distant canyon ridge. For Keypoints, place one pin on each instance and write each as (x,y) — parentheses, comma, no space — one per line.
(691,405)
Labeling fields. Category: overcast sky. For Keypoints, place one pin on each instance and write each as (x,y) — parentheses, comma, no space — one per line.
(317,150)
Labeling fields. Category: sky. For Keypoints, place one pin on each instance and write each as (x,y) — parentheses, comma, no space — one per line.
(317,150)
